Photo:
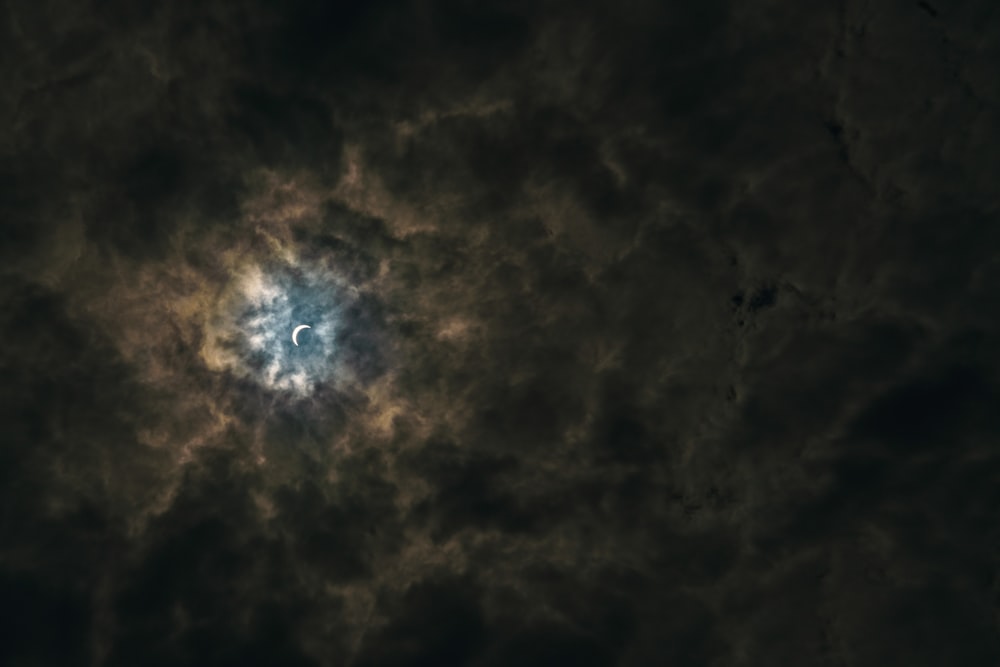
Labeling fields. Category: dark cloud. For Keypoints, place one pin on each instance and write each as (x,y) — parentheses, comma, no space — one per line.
(438,621)
(641,334)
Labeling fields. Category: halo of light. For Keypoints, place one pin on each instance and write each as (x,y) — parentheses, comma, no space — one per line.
(248,336)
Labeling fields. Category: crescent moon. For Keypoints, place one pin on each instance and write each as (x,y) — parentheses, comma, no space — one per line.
(296,330)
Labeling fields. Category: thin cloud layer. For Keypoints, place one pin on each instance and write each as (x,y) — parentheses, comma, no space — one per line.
(640,334)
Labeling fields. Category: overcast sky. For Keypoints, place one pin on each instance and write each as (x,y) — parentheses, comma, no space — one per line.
(641,333)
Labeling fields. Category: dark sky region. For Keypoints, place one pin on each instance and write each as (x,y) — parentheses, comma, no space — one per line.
(644,333)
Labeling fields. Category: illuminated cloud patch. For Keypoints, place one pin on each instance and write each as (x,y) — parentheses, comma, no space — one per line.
(250,335)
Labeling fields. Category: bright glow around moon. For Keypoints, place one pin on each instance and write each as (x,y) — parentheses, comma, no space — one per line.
(248,333)
(296,331)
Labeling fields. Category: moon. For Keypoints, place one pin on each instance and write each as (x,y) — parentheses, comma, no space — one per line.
(296,330)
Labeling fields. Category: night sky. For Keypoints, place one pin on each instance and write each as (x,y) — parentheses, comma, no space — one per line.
(643,333)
